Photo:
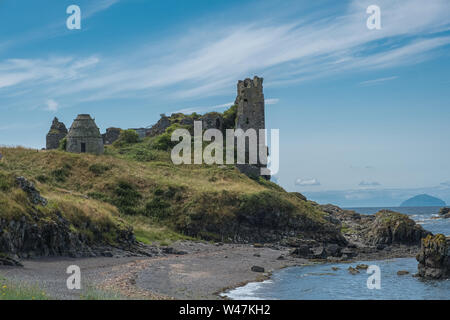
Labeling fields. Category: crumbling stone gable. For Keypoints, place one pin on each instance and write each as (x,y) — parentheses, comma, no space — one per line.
(111,135)
(58,131)
(160,127)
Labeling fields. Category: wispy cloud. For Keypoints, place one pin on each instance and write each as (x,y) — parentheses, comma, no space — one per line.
(52,105)
(369,184)
(205,109)
(202,65)
(377,81)
(307,182)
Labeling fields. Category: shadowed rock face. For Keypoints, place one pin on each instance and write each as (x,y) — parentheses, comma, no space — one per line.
(57,132)
(434,257)
(395,228)
(160,127)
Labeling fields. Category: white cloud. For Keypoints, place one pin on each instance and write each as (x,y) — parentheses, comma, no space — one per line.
(369,183)
(52,105)
(376,81)
(205,109)
(307,182)
(271,101)
(206,64)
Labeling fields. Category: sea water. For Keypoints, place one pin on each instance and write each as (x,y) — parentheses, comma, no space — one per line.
(320,281)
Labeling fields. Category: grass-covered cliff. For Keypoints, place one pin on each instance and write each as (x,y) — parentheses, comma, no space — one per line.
(134,184)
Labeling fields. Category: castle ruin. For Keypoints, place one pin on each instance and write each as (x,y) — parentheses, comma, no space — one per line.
(84,136)
(58,131)
(251,115)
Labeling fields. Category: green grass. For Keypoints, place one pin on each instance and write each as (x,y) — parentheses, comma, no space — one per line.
(135,184)
(11,290)
(93,293)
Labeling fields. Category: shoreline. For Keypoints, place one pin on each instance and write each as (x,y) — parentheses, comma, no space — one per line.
(194,270)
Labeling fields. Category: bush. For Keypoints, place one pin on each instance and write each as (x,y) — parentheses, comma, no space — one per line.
(62,144)
(163,141)
(229,117)
(129,136)
(5,182)
(127,198)
(99,168)
(157,208)
(62,174)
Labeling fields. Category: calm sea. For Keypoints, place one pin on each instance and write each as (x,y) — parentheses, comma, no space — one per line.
(322,282)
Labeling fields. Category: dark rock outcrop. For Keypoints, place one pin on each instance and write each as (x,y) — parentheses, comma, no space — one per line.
(33,194)
(160,127)
(257,269)
(434,257)
(444,213)
(395,228)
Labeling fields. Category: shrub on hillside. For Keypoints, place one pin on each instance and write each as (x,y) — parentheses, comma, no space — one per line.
(129,136)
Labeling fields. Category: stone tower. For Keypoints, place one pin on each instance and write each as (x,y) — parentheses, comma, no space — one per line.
(250,104)
(250,115)
(58,131)
(84,136)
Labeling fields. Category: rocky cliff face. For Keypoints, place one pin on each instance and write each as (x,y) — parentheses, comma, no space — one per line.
(42,231)
(434,257)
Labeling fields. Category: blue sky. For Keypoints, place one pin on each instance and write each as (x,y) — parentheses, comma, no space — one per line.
(359,111)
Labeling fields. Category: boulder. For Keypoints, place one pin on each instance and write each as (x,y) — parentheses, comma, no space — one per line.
(444,213)
(353,271)
(257,269)
(33,194)
(391,227)
(434,257)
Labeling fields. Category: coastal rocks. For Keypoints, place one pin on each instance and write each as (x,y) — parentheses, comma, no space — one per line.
(444,213)
(394,228)
(33,194)
(362,267)
(329,251)
(6,260)
(353,271)
(257,269)
(171,250)
(434,257)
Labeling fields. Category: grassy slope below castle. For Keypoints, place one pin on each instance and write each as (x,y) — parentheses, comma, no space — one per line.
(136,184)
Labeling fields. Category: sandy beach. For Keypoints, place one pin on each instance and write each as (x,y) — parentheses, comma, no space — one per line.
(195,270)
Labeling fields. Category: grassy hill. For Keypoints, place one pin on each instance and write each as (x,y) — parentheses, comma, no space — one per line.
(135,185)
